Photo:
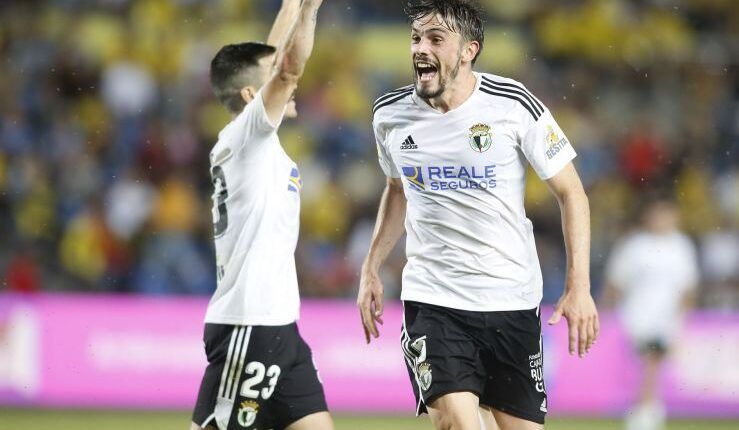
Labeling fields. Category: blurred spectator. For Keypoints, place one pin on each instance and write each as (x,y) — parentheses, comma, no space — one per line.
(22,273)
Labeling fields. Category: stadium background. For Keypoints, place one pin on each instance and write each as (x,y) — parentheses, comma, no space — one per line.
(107,118)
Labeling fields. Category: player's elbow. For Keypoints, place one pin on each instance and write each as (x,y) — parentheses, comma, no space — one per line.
(289,76)
(573,195)
(290,70)
(394,185)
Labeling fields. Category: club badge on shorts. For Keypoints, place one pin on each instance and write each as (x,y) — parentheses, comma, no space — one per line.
(248,413)
(480,137)
(423,369)
(424,376)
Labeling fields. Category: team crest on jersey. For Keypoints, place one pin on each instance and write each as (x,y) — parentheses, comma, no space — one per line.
(248,411)
(480,137)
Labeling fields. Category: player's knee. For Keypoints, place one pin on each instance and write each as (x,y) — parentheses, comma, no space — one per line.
(452,420)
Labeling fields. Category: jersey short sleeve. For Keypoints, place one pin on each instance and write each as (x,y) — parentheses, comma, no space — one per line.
(383,154)
(253,123)
(545,146)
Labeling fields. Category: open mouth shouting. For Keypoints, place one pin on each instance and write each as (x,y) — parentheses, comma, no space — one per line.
(426,71)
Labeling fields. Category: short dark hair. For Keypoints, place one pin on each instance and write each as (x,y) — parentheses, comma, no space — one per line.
(465,17)
(231,70)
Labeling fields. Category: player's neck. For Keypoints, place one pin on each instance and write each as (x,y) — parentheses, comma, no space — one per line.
(456,92)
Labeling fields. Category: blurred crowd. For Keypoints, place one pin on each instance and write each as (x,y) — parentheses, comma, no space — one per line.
(107,118)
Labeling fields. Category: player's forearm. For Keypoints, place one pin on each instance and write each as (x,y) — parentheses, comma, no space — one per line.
(299,43)
(284,20)
(389,227)
(575,211)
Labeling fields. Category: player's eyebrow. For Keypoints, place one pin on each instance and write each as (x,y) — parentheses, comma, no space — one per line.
(428,30)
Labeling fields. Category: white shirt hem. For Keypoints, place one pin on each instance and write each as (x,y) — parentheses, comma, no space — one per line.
(440,300)
(250,321)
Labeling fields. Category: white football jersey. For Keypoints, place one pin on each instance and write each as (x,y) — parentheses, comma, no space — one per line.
(470,245)
(256,218)
(653,272)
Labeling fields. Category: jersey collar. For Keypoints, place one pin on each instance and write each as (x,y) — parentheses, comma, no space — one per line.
(423,105)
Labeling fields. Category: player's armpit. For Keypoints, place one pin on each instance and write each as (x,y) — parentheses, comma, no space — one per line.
(291,61)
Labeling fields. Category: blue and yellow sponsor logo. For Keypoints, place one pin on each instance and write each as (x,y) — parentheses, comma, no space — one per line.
(554,143)
(415,177)
(449,177)
(296,183)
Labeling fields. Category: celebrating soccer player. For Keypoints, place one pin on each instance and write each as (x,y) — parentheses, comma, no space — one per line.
(260,372)
(455,146)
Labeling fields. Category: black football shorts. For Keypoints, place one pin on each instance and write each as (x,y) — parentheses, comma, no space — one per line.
(495,355)
(257,377)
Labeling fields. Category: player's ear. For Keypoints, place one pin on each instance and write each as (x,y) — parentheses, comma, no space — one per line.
(470,51)
(248,94)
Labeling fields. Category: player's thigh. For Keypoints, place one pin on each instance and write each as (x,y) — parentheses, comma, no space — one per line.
(316,421)
(220,345)
(458,411)
(509,422)
(514,366)
(440,353)
(261,358)
(487,419)
(299,400)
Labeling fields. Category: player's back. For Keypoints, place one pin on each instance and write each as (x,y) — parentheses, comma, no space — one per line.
(256,214)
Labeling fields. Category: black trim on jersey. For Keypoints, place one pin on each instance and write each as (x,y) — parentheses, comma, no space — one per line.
(513,97)
(522,90)
(392,93)
(390,101)
(512,91)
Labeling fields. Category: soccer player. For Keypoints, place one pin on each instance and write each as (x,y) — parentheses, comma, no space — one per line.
(260,372)
(653,274)
(455,146)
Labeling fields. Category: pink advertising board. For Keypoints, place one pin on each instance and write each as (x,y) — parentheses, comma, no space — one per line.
(144,352)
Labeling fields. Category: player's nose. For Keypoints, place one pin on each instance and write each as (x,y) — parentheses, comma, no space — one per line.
(423,47)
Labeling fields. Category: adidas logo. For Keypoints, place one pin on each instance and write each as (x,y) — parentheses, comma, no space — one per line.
(408,143)
(543,407)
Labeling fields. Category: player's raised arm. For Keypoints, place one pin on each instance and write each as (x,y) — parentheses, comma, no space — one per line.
(576,304)
(388,230)
(291,60)
(283,23)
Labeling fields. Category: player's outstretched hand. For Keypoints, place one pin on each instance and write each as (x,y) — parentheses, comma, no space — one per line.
(369,301)
(578,308)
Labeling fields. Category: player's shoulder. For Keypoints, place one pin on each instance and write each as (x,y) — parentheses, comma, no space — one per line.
(392,101)
(503,90)
(684,241)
